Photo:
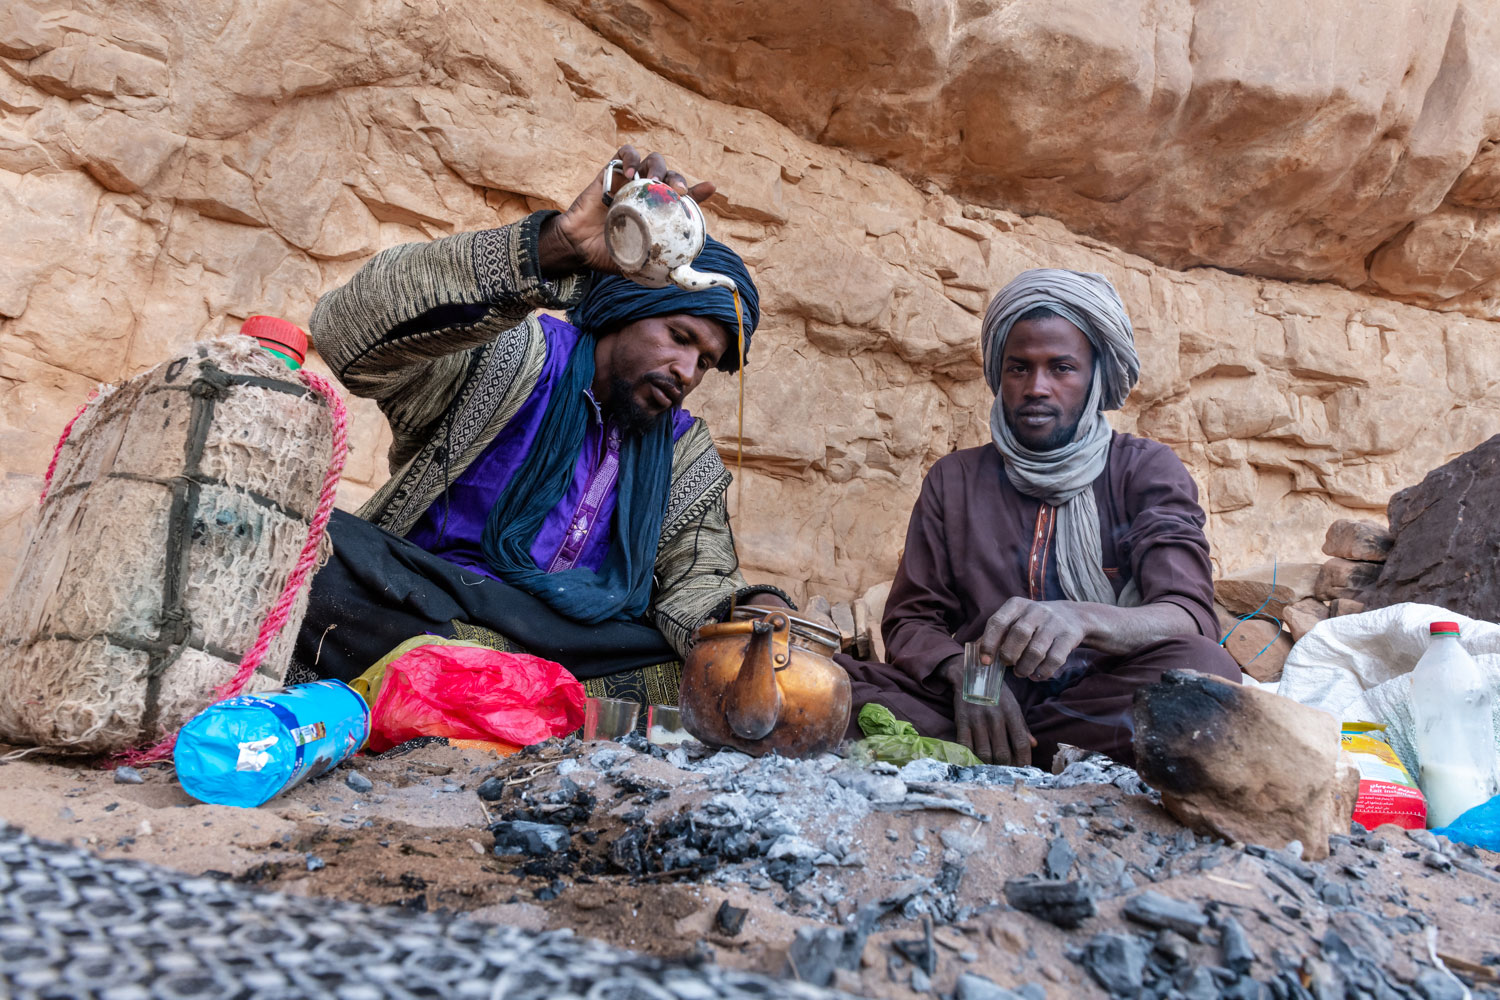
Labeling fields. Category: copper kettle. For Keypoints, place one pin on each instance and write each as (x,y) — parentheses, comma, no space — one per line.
(766,681)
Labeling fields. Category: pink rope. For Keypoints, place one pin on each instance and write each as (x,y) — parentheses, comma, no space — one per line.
(282,609)
(52,465)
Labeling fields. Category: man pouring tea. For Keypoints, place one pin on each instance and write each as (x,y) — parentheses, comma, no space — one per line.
(548,490)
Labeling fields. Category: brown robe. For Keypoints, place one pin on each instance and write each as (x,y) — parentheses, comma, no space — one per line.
(974,541)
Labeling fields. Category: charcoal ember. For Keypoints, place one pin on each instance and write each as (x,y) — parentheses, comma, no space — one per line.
(627,852)
(1117,962)
(730,920)
(532,839)
(1065,904)
(1234,944)
(490,789)
(1156,910)
(790,872)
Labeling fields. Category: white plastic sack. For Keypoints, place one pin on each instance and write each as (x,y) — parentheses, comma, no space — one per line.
(1355,667)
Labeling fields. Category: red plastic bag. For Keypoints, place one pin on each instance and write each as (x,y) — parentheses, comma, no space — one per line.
(469,692)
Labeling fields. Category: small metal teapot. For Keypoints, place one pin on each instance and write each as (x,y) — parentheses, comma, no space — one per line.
(766,681)
(654,234)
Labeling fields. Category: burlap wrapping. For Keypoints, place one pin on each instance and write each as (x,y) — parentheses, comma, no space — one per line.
(177,511)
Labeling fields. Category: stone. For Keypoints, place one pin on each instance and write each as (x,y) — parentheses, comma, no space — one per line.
(1117,962)
(1156,910)
(1252,592)
(1244,764)
(1302,616)
(358,782)
(1345,578)
(491,789)
(730,919)
(128,776)
(1237,953)
(1065,904)
(1363,541)
(973,986)
(1260,647)
(528,838)
(1443,553)
(1342,102)
(1340,606)
(843,620)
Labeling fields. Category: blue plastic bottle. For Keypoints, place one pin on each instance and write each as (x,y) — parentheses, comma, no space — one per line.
(244,750)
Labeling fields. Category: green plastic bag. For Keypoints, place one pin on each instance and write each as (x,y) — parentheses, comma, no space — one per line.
(889,739)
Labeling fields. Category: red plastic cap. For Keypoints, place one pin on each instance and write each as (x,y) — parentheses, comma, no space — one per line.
(1437,627)
(278,335)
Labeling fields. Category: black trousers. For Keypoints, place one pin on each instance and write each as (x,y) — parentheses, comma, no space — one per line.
(378,590)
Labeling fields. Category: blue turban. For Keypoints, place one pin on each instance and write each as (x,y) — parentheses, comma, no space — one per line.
(611,301)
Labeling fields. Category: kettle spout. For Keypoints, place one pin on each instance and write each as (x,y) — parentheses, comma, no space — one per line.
(752,706)
(684,277)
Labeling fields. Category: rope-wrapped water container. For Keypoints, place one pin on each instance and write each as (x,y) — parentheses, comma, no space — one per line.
(178,511)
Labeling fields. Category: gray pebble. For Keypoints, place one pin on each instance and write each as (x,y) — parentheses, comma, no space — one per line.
(358,782)
(128,776)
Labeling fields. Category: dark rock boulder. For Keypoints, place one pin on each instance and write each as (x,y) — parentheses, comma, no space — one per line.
(1447,547)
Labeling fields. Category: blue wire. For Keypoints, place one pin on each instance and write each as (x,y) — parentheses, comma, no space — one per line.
(1245,618)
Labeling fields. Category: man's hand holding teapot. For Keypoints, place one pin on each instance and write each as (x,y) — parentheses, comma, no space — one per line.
(574,240)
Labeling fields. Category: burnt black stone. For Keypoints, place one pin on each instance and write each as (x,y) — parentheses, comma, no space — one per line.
(532,839)
(1065,904)
(1235,945)
(790,872)
(1155,910)
(627,852)
(490,789)
(1117,962)
(1060,858)
(730,919)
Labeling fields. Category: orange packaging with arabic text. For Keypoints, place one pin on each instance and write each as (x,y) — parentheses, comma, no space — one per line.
(1387,793)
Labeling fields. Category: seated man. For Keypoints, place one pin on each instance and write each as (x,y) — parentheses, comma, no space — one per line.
(548,491)
(1074,554)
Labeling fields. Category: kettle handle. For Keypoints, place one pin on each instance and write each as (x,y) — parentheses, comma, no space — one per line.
(752,704)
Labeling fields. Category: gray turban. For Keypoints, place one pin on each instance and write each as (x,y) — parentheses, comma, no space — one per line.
(1065,476)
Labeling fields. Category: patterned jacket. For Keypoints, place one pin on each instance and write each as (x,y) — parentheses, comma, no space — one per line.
(443,337)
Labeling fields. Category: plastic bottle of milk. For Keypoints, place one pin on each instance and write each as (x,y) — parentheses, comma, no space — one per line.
(1455,732)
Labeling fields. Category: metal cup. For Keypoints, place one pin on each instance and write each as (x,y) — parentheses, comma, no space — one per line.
(609,718)
(664,726)
(981,680)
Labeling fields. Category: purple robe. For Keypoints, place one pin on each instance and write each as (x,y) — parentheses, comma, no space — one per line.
(578,532)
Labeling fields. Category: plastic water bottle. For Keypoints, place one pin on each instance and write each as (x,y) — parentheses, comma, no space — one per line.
(282,339)
(1455,730)
(244,750)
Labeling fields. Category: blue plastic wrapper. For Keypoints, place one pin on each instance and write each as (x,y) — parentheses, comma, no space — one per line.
(244,750)
(1478,827)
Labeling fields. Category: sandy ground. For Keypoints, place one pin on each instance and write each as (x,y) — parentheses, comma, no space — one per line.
(419,839)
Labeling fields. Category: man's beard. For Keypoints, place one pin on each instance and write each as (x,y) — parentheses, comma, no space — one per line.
(625,412)
(1062,431)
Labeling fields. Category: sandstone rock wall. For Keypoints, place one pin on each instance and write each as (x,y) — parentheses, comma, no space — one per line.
(168,168)
(1283,139)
